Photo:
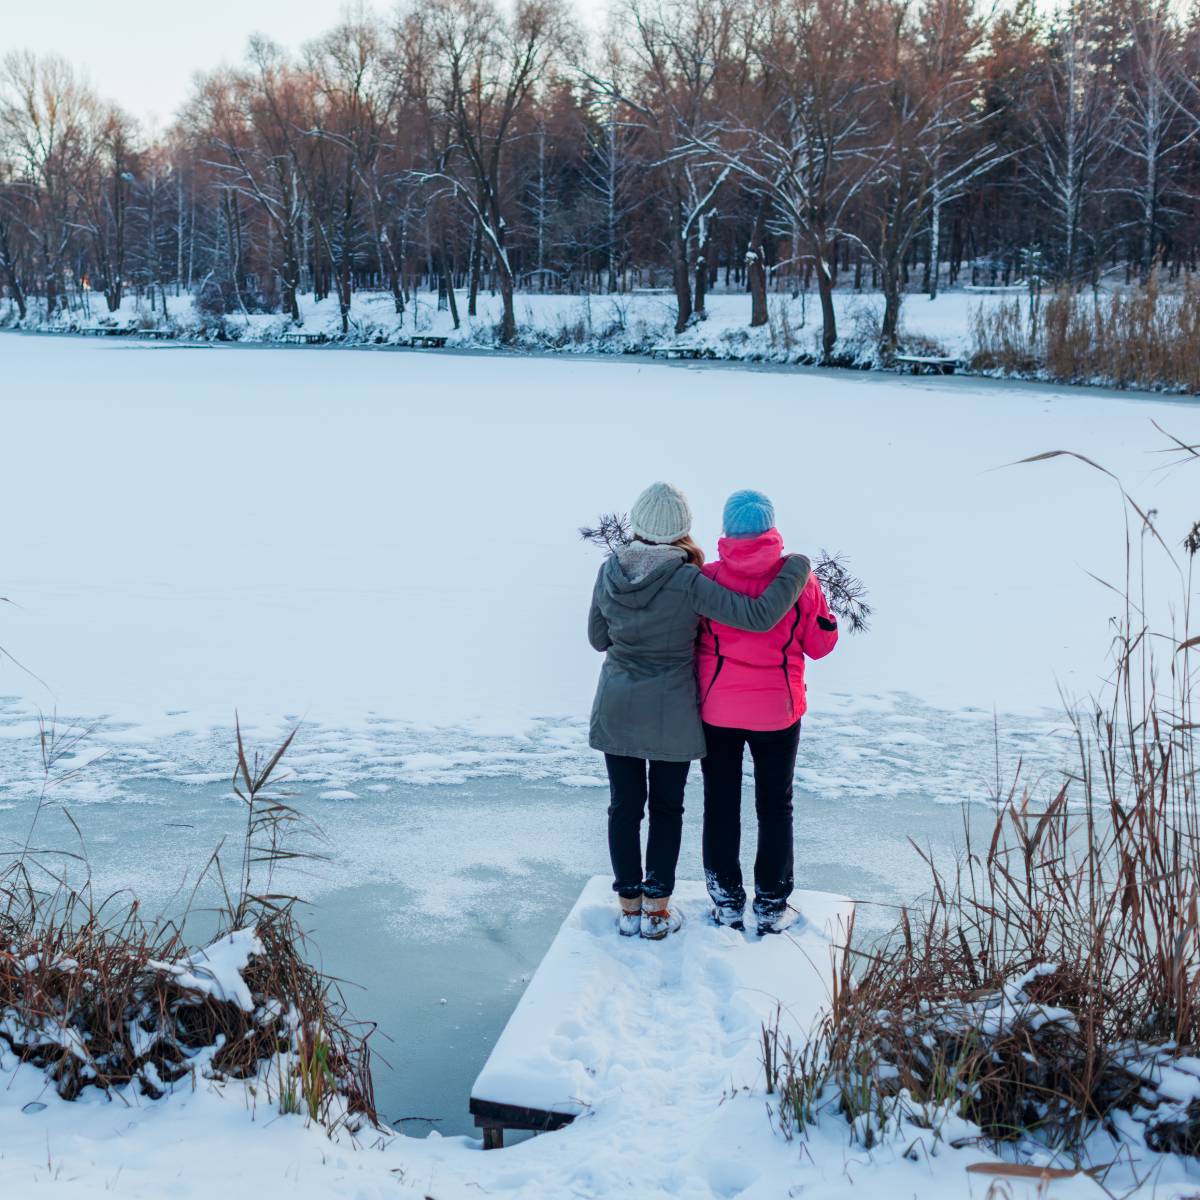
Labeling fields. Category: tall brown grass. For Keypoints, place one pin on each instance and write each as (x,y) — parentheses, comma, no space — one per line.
(1052,974)
(1141,337)
(98,996)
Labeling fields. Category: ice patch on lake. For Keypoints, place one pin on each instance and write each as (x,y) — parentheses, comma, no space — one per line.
(457,825)
(850,747)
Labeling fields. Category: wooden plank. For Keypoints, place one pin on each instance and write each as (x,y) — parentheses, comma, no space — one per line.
(489,1114)
(587,1005)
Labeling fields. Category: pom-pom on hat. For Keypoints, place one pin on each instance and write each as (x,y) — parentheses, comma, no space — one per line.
(660,515)
(747,514)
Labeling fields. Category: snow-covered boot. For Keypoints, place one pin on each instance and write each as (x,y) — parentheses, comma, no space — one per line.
(729,916)
(659,918)
(776,922)
(629,923)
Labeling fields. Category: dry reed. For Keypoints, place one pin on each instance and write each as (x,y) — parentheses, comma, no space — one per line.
(1141,337)
(96,996)
(1051,978)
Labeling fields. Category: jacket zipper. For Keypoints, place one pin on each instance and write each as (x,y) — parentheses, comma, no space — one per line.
(712,633)
(786,647)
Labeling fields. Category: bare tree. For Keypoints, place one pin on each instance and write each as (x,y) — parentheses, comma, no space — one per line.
(249,122)
(678,53)
(926,123)
(44,113)
(1158,119)
(103,189)
(14,197)
(467,144)
(355,94)
(806,150)
(486,69)
(1075,119)
(609,173)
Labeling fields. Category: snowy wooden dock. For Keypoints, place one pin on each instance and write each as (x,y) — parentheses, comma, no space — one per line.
(600,1004)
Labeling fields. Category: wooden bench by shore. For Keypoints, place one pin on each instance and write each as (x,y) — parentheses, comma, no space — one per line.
(598,1001)
(928,364)
(424,341)
(302,337)
(104,330)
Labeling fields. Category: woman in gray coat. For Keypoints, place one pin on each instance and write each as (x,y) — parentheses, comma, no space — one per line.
(649,600)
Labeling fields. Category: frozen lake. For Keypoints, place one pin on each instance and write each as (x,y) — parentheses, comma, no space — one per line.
(382,547)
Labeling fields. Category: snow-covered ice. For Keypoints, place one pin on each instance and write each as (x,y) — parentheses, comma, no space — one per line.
(355,537)
(383,547)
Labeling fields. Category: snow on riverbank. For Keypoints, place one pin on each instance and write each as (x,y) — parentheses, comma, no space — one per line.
(628,323)
(675,1108)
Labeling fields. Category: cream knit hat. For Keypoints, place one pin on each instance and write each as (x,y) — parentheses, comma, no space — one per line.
(661,515)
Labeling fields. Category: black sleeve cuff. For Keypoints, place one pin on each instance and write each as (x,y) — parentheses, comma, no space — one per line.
(829,624)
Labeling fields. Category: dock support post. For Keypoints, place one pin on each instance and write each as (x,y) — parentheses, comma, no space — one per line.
(493,1137)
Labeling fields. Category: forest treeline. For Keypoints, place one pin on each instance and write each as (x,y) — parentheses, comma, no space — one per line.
(696,144)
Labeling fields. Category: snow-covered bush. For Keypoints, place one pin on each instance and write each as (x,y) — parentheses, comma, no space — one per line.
(96,997)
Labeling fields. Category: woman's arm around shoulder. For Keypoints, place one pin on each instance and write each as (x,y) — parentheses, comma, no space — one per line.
(819,630)
(597,624)
(759,614)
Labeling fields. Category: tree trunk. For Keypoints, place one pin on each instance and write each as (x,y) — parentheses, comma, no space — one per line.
(508,319)
(395,284)
(10,272)
(889,329)
(289,276)
(18,294)
(679,278)
(702,276)
(343,291)
(935,246)
(448,280)
(825,292)
(756,272)
(476,266)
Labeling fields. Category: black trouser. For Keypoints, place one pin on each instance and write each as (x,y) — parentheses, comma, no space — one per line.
(627,781)
(774,755)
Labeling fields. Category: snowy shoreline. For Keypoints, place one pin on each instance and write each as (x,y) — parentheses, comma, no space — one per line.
(476,342)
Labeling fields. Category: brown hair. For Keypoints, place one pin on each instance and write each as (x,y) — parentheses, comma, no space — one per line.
(695,555)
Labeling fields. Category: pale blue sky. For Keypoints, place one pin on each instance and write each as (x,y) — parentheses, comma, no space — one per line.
(143,53)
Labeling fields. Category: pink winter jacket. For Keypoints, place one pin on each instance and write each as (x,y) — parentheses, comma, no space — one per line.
(756,680)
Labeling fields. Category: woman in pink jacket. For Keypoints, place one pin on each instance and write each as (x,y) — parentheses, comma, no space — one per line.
(752,694)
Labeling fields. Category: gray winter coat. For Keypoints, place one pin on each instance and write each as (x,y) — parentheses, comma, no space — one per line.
(646,611)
